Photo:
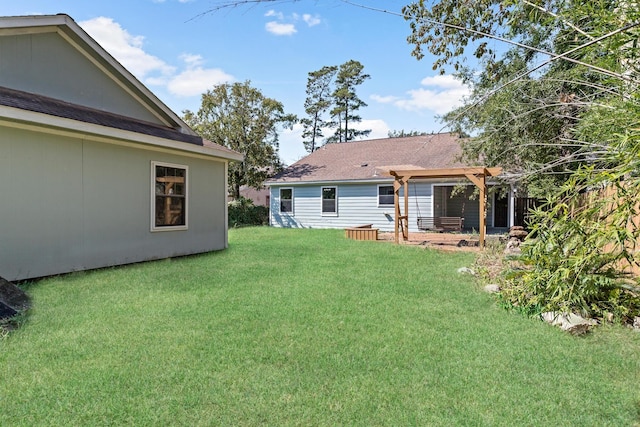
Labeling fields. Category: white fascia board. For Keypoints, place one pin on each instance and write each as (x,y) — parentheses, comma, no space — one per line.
(18,118)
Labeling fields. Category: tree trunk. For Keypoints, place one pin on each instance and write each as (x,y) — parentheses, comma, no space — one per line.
(236,192)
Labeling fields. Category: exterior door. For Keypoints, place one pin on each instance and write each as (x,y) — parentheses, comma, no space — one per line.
(500,211)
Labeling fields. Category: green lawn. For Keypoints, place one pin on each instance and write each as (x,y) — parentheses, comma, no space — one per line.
(303,327)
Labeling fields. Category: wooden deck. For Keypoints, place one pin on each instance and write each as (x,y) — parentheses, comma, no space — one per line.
(441,241)
(436,240)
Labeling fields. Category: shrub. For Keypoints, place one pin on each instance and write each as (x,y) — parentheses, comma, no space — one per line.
(242,212)
(582,244)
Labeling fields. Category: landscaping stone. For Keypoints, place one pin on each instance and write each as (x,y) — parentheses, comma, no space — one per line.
(636,324)
(6,312)
(520,234)
(513,246)
(569,322)
(468,243)
(13,296)
(466,270)
(492,289)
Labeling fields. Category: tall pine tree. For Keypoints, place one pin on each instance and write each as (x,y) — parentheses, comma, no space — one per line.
(346,101)
(318,102)
(332,90)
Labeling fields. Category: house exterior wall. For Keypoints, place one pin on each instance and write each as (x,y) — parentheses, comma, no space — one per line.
(357,203)
(47,64)
(74,204)
(460,205)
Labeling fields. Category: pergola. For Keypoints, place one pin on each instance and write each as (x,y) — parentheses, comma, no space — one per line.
(477,175)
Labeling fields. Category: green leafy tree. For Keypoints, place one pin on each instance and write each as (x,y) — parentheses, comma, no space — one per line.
(346,102)
(317,103)
(240,117)
(527,99)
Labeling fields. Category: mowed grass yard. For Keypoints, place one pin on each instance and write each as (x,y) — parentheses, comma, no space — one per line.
(304,327)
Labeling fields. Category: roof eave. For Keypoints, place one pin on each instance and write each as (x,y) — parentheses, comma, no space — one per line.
(17,118)
(332,181)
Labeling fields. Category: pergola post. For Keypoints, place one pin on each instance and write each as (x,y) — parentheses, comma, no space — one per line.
(405,180)
(481,183)
(401,182)
(396,204)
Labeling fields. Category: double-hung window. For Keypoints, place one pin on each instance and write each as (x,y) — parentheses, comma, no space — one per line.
(385,195)
(169,199)
(286,200)
(329,200)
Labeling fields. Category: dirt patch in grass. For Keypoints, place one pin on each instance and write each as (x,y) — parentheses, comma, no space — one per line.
(467,242)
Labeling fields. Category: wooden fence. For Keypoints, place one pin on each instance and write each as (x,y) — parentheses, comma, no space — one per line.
(610,193)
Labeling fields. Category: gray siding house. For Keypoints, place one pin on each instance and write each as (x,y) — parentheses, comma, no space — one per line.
(345,185)
(95,170)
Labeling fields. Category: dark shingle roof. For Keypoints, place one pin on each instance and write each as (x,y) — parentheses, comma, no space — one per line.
(54,107)
(373,158)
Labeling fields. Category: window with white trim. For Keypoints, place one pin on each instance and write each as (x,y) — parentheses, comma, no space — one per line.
(329,200)
(169,198)
(286,200)
(385,195)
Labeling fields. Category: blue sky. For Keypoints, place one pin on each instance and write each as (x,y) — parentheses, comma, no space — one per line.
(179,51)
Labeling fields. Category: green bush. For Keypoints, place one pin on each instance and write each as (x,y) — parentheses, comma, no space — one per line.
(243,212)
(574,259)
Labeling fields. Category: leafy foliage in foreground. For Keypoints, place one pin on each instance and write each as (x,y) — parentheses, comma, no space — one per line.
(584,242)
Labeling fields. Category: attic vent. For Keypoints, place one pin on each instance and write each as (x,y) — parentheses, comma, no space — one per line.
(364,165)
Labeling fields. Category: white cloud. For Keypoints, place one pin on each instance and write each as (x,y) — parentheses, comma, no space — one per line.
(286,25)
(379,128)
(311,21)
(196,80)
(291,146)
(192,60)
(441,95)
(280,29)
(126,48)
(384,99)
(272,12)
(446,81)
(191,80)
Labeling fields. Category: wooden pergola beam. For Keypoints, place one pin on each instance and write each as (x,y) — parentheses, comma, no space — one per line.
(477,175)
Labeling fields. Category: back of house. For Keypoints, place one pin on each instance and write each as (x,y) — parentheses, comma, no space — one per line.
(348,184)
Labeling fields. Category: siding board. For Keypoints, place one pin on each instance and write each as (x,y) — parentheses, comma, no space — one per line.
(357,204)
(71,204)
